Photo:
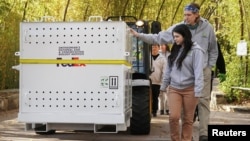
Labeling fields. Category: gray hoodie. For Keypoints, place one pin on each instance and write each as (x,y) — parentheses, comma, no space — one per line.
(190,73)
(204,35)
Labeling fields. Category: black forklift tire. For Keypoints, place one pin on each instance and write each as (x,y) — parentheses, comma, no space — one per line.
(141,117)
(41,130)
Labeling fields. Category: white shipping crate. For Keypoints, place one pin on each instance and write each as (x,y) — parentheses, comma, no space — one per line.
(75,72)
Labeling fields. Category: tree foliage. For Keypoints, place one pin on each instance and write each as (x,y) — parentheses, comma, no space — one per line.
(229,17)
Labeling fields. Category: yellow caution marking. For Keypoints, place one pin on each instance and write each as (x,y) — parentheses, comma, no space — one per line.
(69,61)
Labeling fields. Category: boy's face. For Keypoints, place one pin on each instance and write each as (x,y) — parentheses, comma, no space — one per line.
(155,49)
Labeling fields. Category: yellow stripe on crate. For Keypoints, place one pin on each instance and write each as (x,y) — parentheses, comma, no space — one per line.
(69,61)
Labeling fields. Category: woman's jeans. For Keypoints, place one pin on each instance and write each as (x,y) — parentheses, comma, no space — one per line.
(181,99)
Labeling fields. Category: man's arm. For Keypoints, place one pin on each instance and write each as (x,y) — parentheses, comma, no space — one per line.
(212,49)
(163,37)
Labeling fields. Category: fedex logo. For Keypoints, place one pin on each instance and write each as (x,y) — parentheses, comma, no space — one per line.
(70,65)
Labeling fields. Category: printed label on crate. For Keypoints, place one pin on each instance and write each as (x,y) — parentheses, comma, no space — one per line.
(75,50)
(104,81)
(113,82)
(110,82)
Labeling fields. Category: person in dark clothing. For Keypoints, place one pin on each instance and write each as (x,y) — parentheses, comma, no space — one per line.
(220,63)
(220,67)
(159,65)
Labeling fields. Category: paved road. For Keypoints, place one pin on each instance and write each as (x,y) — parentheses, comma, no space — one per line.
(12,130)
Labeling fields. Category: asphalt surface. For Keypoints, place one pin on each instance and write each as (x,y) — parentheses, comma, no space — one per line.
(12,130)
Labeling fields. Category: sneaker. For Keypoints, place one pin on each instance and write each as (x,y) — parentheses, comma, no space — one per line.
(203,138)
(162,112)
(154,114)
(167,112)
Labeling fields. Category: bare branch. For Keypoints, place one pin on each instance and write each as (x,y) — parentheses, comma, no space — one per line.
(159,12)
(65,12)
(143,7)
(125,7)
(176,11)
(24,11)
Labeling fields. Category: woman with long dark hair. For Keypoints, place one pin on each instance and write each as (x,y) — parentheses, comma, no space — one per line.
(184,76)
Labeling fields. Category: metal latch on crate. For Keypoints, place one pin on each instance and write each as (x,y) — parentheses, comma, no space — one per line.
(47,18)
(95,18)
(17,67)
(127,54)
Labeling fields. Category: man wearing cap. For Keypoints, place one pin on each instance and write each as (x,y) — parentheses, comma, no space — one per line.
(202,33)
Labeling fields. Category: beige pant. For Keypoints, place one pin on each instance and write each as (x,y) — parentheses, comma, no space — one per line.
(204,103)
(181,100)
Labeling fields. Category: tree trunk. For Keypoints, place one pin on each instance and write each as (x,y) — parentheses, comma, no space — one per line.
(124,8)
(159,12)
(242,13)
(142,10)
(107,7)
(176,11)
(25,8)
(65,12)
